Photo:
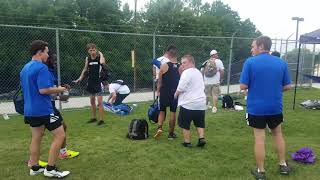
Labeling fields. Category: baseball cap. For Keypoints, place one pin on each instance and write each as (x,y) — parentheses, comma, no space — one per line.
(213,52)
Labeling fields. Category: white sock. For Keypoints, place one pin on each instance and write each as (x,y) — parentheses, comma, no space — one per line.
(283,163)
(63,150)
(259,170)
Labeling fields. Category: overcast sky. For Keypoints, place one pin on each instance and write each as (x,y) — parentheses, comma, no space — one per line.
(271,17)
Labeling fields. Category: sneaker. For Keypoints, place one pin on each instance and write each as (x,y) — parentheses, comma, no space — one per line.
(172,136)
(158,134)
(69,154)
(37,169)
(285,169)
(209,106)
(92,120)
(55,173)
(188,145)
(201,142)
(41,163)
(101,122)
(214,110)
(258,175)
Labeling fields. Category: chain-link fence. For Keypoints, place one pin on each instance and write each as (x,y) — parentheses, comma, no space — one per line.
(70,46)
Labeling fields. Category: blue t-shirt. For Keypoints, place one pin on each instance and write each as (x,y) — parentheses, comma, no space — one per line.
(265,75)
(35,76)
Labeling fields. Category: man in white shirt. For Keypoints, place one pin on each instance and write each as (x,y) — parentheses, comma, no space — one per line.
(118,92)
(192,101)
(213,71)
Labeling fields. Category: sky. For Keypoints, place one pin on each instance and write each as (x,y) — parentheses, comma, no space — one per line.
(271,17)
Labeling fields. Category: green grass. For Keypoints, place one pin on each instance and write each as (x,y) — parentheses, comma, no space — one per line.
(107,154)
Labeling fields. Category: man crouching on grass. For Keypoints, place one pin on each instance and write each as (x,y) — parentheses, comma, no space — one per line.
(192,101)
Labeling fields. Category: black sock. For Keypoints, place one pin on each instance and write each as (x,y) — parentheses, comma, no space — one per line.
(35,167)
(50,168)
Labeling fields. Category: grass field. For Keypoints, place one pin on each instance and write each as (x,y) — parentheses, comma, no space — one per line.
(107,154)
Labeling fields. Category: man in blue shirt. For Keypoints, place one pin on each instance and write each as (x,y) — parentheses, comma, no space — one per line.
(265,77)
(38,111)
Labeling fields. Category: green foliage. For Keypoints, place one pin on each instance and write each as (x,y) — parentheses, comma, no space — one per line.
(174,17)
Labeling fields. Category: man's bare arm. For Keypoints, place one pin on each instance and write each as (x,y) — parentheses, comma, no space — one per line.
(243,87)
(82,75)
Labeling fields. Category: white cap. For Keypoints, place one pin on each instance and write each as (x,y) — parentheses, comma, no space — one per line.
(212,52)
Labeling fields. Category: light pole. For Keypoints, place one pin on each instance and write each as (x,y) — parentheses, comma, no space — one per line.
(298,19)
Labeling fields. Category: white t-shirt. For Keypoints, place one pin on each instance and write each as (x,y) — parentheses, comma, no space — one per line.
(216,78)
(117,88)
(162,60)
(191,86)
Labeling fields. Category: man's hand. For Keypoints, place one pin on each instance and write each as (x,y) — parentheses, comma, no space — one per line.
(67,86)
(76,81)
(176,94)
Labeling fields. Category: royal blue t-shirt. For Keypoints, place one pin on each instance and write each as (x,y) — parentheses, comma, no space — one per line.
(265,75)
(35,76)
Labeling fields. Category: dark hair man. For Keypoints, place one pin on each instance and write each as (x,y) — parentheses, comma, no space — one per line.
(167,84)
(38,112)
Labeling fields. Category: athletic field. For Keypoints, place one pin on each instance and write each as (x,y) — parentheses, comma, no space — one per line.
(105,153)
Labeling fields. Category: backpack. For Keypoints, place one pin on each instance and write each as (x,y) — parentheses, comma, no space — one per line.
(153,111)
(104,73)
(227,102)
(210,68)
(138,129)
(18,101)
(122,109)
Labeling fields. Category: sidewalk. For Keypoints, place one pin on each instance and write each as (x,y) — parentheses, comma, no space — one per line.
(80,102)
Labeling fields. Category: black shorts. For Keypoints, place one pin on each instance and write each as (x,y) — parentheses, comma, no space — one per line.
(260,122)
(120,98)
(186,116)
(166,99)
(51,122)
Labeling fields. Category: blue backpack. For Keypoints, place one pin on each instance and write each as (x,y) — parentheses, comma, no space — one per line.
(153,111)
(122,109)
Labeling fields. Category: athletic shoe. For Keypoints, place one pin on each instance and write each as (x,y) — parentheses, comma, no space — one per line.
(214,110)
(258,175)
(41,163)
(172,136)
(201,142)
(158,134)
(37,170)
(188,145)
(69,154)
(92,120)
(209,106)
(285,169)
(55,173)
(101,122)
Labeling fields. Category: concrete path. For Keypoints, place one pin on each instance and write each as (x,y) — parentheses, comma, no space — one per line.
(80,102)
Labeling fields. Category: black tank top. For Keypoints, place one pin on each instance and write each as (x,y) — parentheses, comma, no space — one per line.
(170,79)
(94,71)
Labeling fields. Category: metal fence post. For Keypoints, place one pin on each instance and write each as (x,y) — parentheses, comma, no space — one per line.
(154,56)
(58,62)
(313,63)
(230,60)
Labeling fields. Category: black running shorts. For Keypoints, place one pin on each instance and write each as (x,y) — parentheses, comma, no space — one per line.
(260,122)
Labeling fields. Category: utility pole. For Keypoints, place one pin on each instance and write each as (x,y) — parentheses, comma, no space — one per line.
(298,19)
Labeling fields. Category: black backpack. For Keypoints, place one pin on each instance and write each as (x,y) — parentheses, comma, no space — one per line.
(227,102)
(18,101)
(138,129)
